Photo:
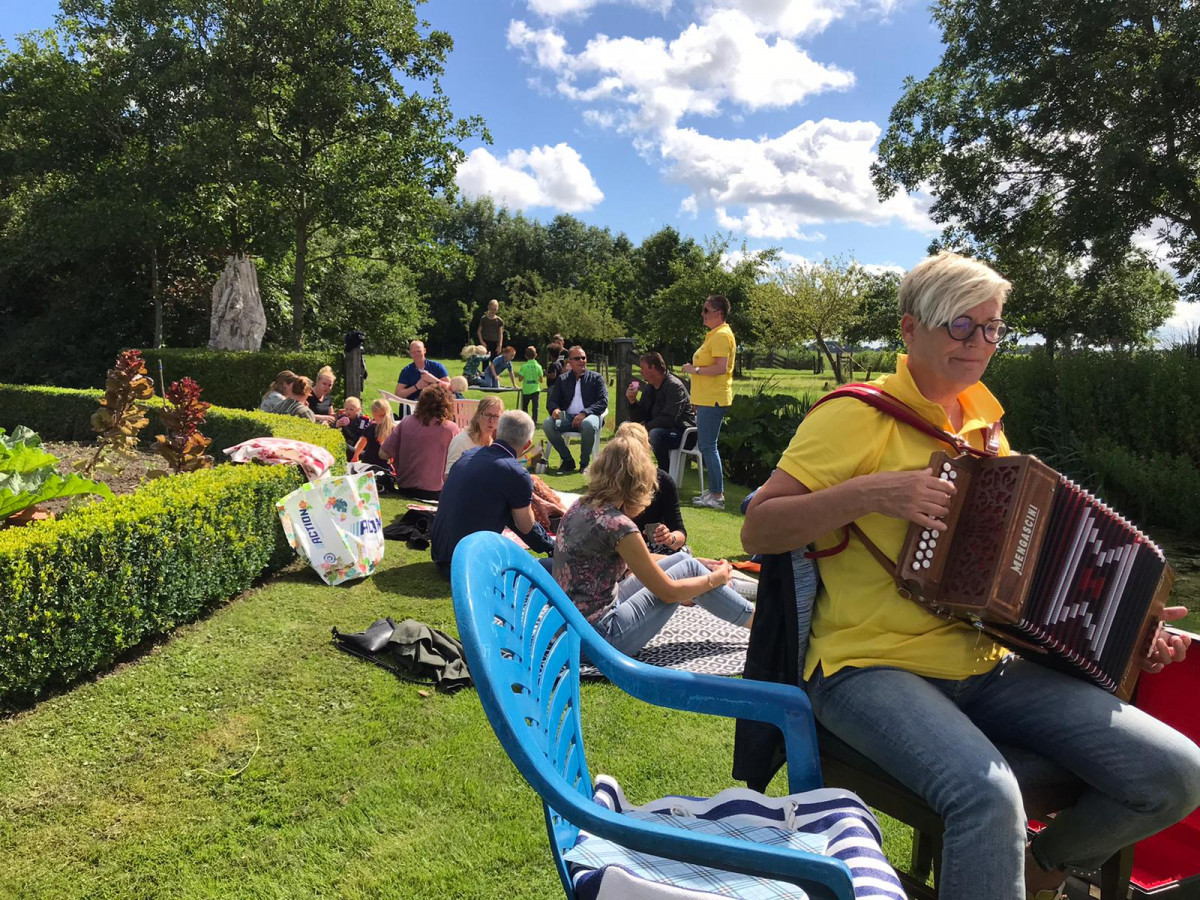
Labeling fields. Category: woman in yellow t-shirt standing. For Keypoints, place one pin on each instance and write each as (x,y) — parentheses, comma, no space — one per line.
(711,369)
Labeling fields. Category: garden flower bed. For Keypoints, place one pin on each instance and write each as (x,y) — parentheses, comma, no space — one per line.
(77,592)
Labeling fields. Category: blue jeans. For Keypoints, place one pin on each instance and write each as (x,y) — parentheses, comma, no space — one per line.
(587,436)
(708,427)
(638,615)
(662,442)
(936,736)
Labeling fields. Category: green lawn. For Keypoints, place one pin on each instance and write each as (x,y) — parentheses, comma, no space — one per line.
(245,757)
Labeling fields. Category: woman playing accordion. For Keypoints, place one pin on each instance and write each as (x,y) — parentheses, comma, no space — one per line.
(927,697)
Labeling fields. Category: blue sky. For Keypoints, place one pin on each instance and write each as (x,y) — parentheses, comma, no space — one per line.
(757,118)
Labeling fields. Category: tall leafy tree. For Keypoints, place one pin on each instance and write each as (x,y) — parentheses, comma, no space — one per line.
(878,320)
(669,320)
(823,300)
(343,120)
(1083,110)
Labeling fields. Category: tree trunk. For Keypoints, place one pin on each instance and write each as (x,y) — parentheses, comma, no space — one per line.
(298,285)
(837,370)
(156,294)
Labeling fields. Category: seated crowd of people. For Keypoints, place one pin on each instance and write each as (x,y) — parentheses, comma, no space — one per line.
(620,552)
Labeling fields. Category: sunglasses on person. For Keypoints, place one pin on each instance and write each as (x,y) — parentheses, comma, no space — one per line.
(963,327)
(577,358)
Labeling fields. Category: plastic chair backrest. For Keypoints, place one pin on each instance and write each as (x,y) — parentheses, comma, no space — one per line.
(522,637)
(523,654)
(1170,695)
(463,411)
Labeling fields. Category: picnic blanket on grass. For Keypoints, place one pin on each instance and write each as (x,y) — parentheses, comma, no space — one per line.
(695,641)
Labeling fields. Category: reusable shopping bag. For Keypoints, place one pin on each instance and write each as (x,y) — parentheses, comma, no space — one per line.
(335,524)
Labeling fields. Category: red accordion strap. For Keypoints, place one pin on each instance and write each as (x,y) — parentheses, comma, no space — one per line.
(898,409)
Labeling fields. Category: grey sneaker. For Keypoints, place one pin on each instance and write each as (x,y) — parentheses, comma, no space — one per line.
(699,499)
(712,501)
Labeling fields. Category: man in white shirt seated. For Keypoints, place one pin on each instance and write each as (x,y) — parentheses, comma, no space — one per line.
(577,402)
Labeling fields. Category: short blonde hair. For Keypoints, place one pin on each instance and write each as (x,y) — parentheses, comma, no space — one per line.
(940,288)
(458,384)
(623,475)
(355,403)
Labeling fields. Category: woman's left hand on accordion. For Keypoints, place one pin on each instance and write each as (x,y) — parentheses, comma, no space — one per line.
(1168,646)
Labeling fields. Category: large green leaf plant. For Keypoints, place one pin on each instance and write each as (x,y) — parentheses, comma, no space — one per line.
(28,475)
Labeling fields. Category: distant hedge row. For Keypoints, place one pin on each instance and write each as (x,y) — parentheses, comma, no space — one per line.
(77,592)
(1126,425)
(239,379)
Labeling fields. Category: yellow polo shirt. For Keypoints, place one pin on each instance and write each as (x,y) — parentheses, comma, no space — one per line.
(714,390)
(859,619)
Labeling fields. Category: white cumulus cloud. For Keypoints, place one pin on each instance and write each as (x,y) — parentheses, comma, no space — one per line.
(799,18)
(556,8)
(719,62)
(546,176)
(775,187)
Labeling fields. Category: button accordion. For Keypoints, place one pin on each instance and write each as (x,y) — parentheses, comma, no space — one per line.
(1043,565)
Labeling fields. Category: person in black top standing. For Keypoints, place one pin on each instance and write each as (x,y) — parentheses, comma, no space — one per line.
(664,408)
(491,329)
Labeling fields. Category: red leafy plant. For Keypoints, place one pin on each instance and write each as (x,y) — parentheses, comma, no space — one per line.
(120,417)
(183,445)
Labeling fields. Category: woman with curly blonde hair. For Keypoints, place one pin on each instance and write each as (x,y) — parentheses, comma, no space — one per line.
(598,545)
(417,446)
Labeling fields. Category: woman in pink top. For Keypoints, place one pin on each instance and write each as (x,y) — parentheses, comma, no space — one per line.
(417,446)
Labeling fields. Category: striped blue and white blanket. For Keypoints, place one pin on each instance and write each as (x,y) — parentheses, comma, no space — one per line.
(829,821)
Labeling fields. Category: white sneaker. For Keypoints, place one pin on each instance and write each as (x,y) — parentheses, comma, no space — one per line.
(747,587)
(712,501)
(699,499)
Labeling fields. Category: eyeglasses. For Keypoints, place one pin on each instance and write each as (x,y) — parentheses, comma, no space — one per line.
(963,327)
(492,417)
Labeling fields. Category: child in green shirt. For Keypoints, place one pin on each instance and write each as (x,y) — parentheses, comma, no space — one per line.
(531,381)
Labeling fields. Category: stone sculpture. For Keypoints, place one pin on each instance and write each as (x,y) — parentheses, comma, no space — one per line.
(238,321)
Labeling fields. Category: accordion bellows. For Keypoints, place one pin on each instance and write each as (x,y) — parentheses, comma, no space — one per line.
(1044,565)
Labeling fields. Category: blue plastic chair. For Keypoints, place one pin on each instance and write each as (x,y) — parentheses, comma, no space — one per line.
(522,638)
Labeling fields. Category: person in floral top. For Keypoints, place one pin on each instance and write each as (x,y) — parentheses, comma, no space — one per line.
(604,566)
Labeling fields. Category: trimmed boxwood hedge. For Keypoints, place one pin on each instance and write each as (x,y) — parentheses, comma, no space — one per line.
(238,379)
(77,592)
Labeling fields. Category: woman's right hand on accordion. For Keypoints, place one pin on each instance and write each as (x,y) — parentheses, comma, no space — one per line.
(1168,646)
(918,496)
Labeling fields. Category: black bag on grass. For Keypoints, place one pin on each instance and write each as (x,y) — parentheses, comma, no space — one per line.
(412,650)
(415,528)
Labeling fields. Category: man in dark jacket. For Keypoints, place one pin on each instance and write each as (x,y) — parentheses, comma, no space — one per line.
(577,402)
(665,408)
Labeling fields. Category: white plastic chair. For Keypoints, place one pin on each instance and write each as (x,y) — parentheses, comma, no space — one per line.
(405,406)
(578,435)
(689,445)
